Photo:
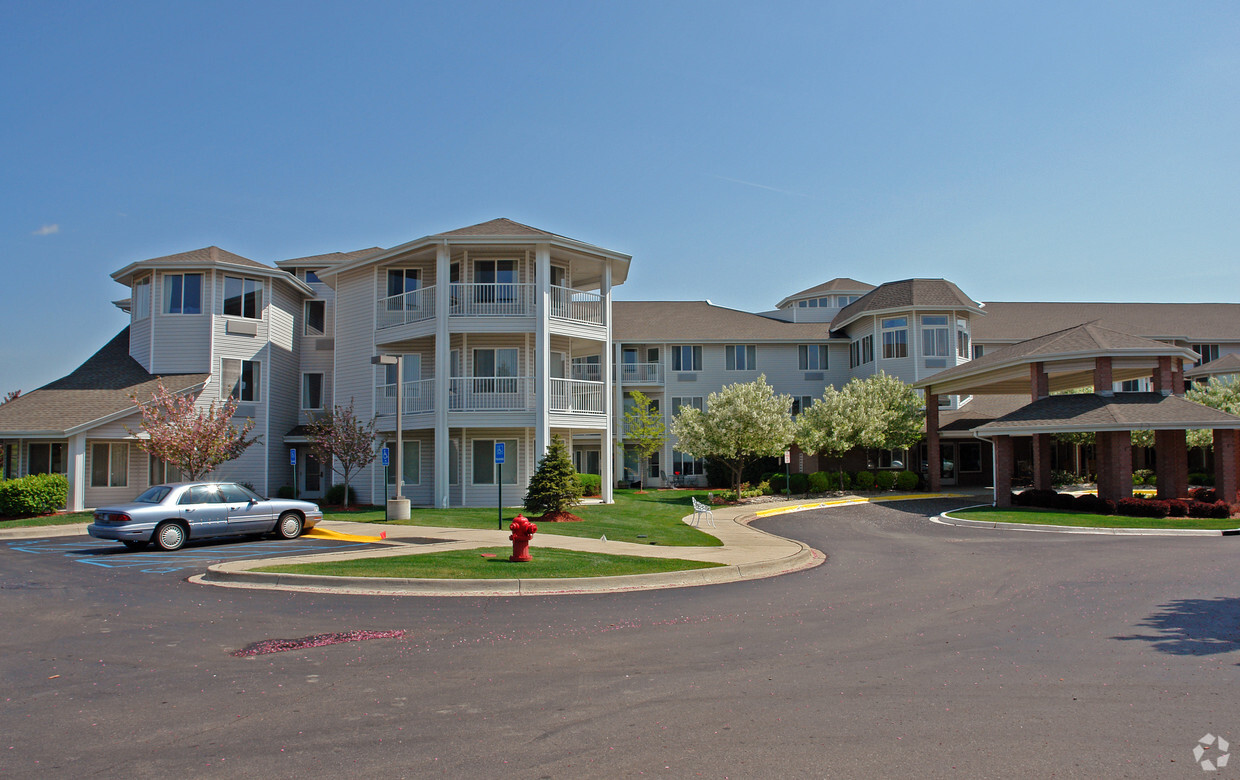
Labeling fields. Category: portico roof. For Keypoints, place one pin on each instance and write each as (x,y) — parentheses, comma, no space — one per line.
(1092,412)
(1068,357)
(1226,365)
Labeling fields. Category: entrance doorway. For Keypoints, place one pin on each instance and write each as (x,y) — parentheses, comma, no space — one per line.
(950,462)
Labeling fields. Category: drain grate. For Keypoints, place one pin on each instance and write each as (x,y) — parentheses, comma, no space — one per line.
(318,640)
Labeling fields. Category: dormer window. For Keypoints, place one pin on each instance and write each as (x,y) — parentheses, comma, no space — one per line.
(243,297)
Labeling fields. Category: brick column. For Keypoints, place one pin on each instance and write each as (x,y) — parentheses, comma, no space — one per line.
(933,457)
(1114,464)
(1171,463)
(1227,464)
(1042,461)
(1177,378)
(1003,470)
(1039,382)
(1102,376)
(1162,376)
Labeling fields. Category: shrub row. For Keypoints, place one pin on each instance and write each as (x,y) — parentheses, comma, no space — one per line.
(1203,504)
(37,494)
(827,481)
(591,484)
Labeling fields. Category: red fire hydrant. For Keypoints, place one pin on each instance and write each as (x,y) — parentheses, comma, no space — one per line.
(522,530)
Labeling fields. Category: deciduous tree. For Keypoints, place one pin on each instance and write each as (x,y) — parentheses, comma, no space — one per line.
(193,439)
(339,437)
(643,426)
(742,422)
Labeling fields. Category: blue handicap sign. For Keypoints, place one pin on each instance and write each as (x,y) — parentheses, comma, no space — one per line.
(499,452)
(383,453)
(292,457)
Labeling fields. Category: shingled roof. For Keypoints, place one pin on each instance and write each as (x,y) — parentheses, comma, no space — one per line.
(328,258)
(498,227)
(1190,322)
(1118,412)
(842,283)
(697,321)
(99,389)
(905,294)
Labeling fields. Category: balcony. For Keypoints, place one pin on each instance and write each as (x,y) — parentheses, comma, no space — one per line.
(491,394)
(587,372)
(641,373)
(415,306)
(577,396)
(576,305)
(489,299)
(419,397)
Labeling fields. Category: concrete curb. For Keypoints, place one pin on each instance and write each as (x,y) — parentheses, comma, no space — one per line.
(947,519)
(43,531)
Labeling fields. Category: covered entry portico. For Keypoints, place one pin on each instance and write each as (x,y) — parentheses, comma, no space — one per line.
(1097,356)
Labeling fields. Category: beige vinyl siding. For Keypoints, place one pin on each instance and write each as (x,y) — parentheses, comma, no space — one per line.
(140,341)
(136,475)
(182,343)
(313,359)
(284,315)
(353,375)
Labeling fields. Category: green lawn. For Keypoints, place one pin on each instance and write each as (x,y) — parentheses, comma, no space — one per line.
(472,565)
(655,515)
(68,518)
(1085,520)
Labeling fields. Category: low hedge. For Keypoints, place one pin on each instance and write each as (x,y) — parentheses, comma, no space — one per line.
(37,494)
(907,480)
(1129,507)
(591,484)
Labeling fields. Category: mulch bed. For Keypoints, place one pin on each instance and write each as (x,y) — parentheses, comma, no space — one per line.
(559,517)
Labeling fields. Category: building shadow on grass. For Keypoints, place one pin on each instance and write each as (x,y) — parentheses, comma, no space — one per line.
(1193,627)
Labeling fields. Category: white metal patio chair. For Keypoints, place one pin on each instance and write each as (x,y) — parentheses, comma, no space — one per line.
(701,510)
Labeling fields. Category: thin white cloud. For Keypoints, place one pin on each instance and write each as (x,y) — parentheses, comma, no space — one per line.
(762,186)
(46,230)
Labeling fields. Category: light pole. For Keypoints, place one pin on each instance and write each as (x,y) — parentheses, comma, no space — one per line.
(398,505)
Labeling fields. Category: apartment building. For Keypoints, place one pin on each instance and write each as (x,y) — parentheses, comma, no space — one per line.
(507,333)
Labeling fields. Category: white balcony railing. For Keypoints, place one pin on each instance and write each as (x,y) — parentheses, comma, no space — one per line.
(573,395)
(486,299)
(491,393)
(576,305)
(641,373)
(418,397)
(403,309)
(587,372)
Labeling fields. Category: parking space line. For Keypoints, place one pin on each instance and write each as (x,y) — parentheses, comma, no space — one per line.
(100,553)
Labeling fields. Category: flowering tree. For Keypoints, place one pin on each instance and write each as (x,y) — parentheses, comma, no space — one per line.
(743,421)
(878,412)
(340,438)
(194,440)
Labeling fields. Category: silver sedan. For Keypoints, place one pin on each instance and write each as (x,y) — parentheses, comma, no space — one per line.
(170,515)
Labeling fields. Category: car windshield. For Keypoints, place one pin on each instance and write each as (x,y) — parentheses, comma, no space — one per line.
(153,495)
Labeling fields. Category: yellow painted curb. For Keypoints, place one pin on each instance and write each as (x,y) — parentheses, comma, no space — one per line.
(851,501)
(327,533)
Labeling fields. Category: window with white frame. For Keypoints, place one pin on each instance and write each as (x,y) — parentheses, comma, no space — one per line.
(142,298)
(861,351)
(312,391)
(240,379)
(962,338)
(686,357)
(402,280)
(454,462)
(109,464)
(1208,352)
(800,403)
(687,465)
(740,357)
(182,293)
(895,337)
(316,318)
(312,277)
(934,335)
(892,459)
(812,357)
(484,462)
(681,401)
(243,297)
(411,465)
(44,457)
(495,370)
(978,350)
(159,471)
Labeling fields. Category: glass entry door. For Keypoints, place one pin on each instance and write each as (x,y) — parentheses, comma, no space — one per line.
(947,452)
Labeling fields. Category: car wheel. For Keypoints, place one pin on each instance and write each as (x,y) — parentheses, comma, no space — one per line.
(170,536)
(289,525)
(135,544)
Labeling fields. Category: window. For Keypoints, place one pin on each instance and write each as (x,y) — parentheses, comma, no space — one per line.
(679,402)
(484,462)
(1208,352)
(402,280)
(1132,385)
(240,379)
(970,454)
(500,273)
(243,297)
(861,351)
(800,403)
(740,357)
(45,458)
(201,494)
(312,277)
(812,357)
(687,465)
(311,391)
(895,337)
(182,293)
(412,463)
(586,461)
(892,459)
(142,298)
(686,358)
(962,338)
(159,472)
(109,465)
(316,318)
(978,351)
(496,370)
(454,462)
(934,335)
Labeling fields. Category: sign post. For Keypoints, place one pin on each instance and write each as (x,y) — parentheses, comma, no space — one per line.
(499,483)
(383,453)
(292,459)
(787,475)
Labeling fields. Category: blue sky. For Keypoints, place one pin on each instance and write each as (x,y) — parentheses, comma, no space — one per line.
(739,152)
